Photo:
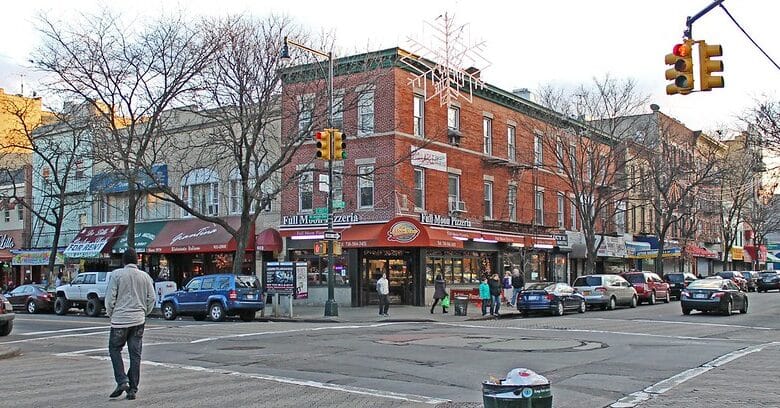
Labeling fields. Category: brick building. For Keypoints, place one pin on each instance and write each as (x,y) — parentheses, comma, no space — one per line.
(460,189)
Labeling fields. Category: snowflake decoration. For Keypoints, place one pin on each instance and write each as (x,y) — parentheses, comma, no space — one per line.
(444,62)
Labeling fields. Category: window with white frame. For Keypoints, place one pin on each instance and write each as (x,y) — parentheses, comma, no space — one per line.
(235,196)
(200,190)
(103,209)
(305,113)
(487,133)
(453,117)
(620,217)
(156,208)
(488,200)
(365,186)
(539,208)
(559,156)
(561,207)
(453,187)
(538,150)
(511,198)
(365,110)
(573,215)
(20,212)
(419,115)
(573,159)
(305,191)
(117,208)
(338,181)
(511,142)
(419,187)
(7,214)
(338,109)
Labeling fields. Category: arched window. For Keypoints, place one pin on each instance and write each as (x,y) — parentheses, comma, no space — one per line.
(235,189)
(200,190)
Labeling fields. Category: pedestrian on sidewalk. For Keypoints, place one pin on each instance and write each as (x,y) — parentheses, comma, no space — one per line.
(383,289)
(484,295)
(129,299)
(495,294)
(518,284)
(439,293)
(506,283)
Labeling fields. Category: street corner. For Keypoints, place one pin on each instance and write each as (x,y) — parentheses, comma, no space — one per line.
(9,352)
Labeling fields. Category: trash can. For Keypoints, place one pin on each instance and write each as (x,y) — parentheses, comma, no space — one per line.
(522,388)
(461,305)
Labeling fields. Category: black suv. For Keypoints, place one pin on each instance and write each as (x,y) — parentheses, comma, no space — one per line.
(768,280)
(678,282)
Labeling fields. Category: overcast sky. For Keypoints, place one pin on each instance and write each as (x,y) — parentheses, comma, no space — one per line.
(528,43)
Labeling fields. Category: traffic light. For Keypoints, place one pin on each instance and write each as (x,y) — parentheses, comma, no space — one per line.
(681,60)
(321,247)
(323,144)
(707,66)
(339,145)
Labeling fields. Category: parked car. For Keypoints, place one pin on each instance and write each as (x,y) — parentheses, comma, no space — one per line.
(714,295)
(678,281)
(768,280)
(736,277)
(606,291)
(550,297)
(32,298)
(6,316)
(216,296)
(649,286)
(87,291)
(751,278)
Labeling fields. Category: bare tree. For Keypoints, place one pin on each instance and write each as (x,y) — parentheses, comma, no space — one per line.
(762,214)
(130,72)
(736,188)
(764,119)
(588,142)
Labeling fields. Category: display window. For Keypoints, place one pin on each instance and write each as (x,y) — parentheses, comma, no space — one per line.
(318,267)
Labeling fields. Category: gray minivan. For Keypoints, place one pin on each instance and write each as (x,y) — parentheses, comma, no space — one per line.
(606,291)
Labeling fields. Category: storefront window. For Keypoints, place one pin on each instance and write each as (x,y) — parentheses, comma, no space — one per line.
(318,268)
(457,268)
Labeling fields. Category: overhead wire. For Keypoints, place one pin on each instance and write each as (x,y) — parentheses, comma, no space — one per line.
(748,36)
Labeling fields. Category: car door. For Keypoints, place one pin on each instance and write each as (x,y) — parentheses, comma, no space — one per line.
(89,285)
(737,295)
(202,295)
(570,301)
(17,296)
(74,290)
(189,294)
(661,287)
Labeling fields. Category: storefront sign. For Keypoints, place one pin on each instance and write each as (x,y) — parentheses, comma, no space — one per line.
(403,232)
(286,278)
(561,240)
(6,241)
(35,257)
(614,247)
(312,219)
(430,159)
(90,241)
(204,231)
(436,219)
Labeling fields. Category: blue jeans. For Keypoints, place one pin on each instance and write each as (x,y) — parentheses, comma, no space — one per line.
(496,299)
(134,337)
(485,305)
(515,292)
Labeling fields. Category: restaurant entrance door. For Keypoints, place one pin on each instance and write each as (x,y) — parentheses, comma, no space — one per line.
(397,264)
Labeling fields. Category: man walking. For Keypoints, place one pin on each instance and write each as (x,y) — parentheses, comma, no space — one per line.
(518,283)
(383,289)
(129,299)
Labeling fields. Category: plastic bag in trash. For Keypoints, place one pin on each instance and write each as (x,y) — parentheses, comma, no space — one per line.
(524,376)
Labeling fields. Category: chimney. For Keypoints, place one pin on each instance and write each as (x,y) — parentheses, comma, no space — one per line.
(524,93)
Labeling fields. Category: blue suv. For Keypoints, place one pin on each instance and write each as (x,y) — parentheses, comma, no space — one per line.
(216,296)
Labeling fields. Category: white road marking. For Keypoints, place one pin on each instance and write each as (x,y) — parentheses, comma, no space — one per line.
(62,336)
(308,329)
(672,322)
(284,380)
(63,330)
(665,385)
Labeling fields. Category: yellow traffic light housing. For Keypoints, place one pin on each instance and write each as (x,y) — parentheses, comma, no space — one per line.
(707,66)
(322,140)
(339,145)
(681,60)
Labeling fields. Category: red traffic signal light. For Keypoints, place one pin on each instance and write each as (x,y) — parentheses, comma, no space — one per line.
(322,140)
(681,60)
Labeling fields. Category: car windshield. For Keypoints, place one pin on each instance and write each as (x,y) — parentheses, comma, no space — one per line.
(246,281)
(548,286)
(675,277)
(706,284)
(767,274)
(588,281)
(747,275)
(635,277)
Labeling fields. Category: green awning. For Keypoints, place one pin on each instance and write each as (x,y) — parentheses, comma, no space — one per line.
(772,258)
(145,233)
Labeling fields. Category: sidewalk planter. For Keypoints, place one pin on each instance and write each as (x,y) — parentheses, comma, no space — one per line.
(461,305)
(522,388)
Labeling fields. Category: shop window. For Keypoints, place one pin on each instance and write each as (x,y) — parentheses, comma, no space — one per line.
(318,268)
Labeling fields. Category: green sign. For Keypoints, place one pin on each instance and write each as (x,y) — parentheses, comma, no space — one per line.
(321,211)
(338,204)
(317,217)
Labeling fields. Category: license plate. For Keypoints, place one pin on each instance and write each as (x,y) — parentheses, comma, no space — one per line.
(585,293)
(533,297)
(250,297)
(699,296)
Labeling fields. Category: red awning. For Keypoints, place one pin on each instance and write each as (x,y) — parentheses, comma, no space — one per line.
(195,235)
(268,240)
(90,242)
(700,252)
(360,236)
(756,253)
(540,242)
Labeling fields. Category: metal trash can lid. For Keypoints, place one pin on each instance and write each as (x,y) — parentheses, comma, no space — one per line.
(524,376)
(461,297)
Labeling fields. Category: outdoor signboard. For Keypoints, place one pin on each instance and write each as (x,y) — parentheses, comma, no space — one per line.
(286,278)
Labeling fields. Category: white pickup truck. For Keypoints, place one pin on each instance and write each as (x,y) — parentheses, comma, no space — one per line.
(87,291)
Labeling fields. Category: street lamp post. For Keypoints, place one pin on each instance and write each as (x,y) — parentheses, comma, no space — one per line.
(331,307)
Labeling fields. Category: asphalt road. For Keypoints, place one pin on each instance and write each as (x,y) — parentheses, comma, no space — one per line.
(592,360)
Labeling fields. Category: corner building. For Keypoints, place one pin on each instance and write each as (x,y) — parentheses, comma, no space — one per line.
(463,189)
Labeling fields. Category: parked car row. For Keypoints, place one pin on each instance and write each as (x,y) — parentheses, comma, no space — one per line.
(714,294)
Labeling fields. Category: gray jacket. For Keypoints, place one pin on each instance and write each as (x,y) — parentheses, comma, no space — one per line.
(130,296)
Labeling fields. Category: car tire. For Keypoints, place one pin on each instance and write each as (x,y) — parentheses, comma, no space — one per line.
(32,307)
(744,308)
(612,303)
(94,307)
(6,328)
(634,302)
(667,299)
(217,312)
(558,311)
(168,311)
(248,316)
(199,316)
(583,307)
(729,306)
(61,306)
(603,307)
(686,311)
(652,298)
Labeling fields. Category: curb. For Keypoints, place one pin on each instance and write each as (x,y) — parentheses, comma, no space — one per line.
(337,320)
(9,352)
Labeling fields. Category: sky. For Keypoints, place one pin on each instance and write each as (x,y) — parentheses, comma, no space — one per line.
(527,44)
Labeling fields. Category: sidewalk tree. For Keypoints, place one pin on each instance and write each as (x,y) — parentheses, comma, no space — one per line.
(762,214)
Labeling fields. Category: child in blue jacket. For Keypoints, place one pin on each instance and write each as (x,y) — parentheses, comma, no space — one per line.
(484,295)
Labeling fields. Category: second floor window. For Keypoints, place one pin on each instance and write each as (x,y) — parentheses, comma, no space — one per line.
(305,190)
(103,209)
(155,208)
(365,110)
(453,187)
(365,186)
(203,198)
(236,193)
(511,136)
(538,150)
(20,212)
(453,118)
(487,131)
(511,198)
(488,199)
(561,211)
(338,109)
(419,115)
(419,188)
(573,215)
(559,156)
(539,208)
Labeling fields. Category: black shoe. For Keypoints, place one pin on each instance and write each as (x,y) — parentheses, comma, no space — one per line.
(431,311)
(119,390)
(445,311)
(130,395)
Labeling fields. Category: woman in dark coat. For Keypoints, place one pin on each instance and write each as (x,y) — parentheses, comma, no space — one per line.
(439,292)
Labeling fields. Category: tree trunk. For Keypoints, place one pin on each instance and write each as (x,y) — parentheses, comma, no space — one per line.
(241,242)
(132,205)
(659,258)
(55,241)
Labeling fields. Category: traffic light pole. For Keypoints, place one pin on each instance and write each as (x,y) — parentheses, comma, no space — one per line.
(692,19)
